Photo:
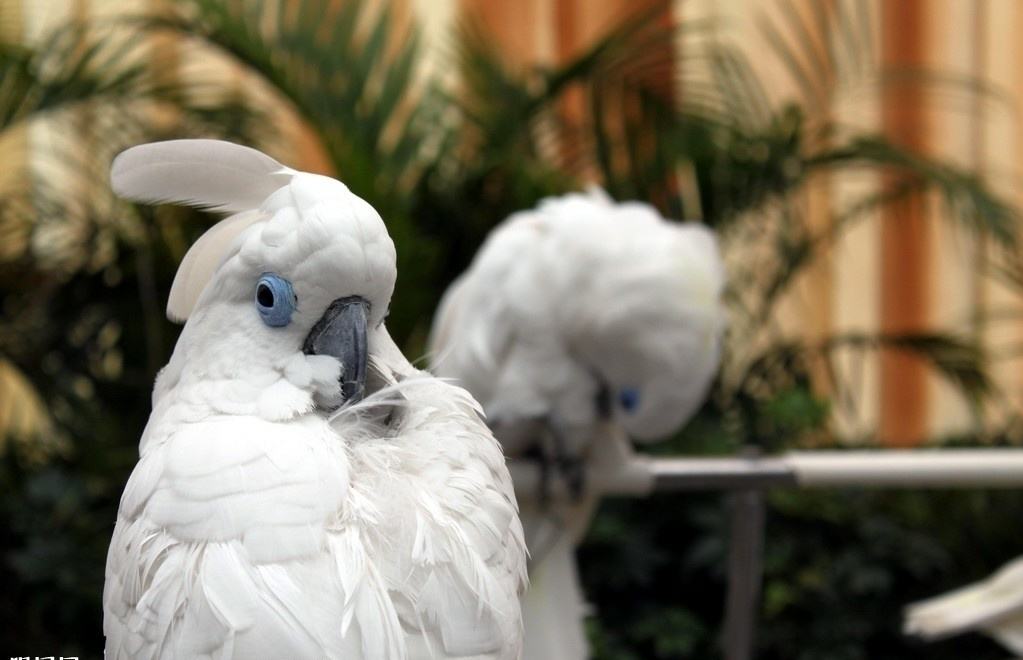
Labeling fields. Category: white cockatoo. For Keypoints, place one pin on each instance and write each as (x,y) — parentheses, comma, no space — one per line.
(302,490)
(993,606)
(578,323)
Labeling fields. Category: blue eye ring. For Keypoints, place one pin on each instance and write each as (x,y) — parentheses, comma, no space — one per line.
(628,399)
(275,300)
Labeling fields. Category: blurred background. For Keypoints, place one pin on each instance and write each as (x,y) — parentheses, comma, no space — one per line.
(859,159)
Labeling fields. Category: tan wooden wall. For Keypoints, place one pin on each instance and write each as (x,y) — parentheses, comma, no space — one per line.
(914,271)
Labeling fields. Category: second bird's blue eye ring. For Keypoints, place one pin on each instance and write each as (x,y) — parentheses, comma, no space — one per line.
(628,398)
(275,300)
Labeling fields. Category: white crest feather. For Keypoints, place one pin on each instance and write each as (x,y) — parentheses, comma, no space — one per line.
(210,174)
(202,260)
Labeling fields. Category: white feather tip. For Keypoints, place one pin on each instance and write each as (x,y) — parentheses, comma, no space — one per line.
(210,174)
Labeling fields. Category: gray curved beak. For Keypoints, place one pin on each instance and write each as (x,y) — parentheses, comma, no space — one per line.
(341,332)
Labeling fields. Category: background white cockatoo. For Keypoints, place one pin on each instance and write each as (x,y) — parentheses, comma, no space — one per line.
(993,606)
(577,323)
(302,491)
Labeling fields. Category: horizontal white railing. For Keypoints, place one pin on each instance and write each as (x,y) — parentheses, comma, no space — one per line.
(638,475)
(617,470)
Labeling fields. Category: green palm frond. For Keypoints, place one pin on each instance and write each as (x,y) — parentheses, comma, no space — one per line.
(821,44)
(785,364)
(69,67)
(511,144)
(739,92)
(346,68)
(510,109)
(92,90)
(966,197)
(958,359)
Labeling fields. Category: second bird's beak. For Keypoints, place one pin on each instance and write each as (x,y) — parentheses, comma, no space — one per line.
(341,332)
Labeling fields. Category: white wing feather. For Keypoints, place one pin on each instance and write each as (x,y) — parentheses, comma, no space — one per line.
(210,174)
(453,508)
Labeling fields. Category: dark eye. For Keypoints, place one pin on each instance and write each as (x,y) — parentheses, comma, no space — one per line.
(275,300)
(628,398)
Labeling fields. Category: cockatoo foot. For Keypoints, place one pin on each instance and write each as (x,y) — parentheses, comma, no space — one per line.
(558,467)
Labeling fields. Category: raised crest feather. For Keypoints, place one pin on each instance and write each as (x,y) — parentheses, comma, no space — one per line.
(209,174)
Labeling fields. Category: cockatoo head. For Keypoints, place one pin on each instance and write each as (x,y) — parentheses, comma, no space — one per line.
(303,267)
(645,312)
(584,309)
(312,276)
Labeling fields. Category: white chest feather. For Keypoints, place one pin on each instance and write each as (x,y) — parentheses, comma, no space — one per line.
(240,537)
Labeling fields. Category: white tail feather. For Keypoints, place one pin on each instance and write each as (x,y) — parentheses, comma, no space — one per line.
(202,260)
(210,174)
(994,605)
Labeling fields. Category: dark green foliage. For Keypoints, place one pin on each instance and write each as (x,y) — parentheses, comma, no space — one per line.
(839,566)
(57,519)
(346,69)
(660,594)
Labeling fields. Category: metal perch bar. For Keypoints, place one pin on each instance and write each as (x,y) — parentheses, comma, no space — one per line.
(620,471)
(891,469)
(925,468)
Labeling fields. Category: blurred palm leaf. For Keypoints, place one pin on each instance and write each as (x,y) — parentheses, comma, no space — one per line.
(86,90)
(958,359)
(966,197)
(748,150)
(778,379)
(509,109)
(511,144)
(93,91)
(822,44)
(824,48)
(349,71)
(24,417)
(69,67)
(67,70)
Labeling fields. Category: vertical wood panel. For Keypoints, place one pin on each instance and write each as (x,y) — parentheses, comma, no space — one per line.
(516,26)
(978,153)
(818,280)
(955,33)
(570,37)
(578,25)
(1003,146)
(905,236)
